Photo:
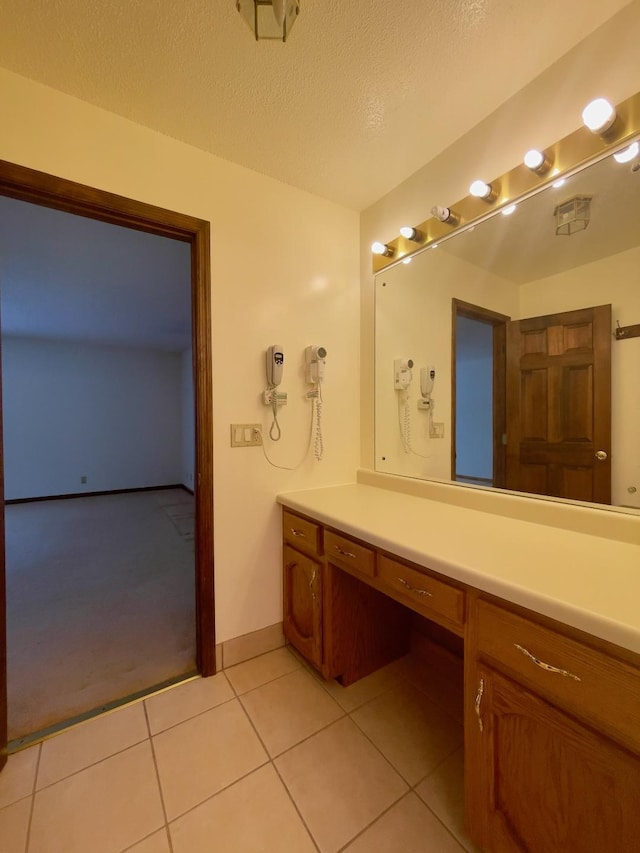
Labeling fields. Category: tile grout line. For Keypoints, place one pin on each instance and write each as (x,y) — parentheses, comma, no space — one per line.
(155,764)
(33,800)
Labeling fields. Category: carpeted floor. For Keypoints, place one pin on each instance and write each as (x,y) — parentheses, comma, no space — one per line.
(100,601)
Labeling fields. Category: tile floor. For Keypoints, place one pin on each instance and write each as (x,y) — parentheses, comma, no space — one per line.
(264,757)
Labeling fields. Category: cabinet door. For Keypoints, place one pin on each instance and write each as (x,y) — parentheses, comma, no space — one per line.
(538,781)
(303,604)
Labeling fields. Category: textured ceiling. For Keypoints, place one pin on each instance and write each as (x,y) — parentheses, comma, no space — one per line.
(363,93)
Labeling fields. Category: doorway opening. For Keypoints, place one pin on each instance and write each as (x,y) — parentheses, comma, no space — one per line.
(27,185)
(478,370)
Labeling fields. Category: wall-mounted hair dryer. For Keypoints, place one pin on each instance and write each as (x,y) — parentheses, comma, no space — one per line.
(314,359)
(402,374)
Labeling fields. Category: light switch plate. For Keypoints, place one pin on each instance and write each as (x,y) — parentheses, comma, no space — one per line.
(437,430)
(246,435)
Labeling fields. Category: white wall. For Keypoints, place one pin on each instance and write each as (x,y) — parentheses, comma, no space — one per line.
(606,63)
(612,280)
(111,414)
(187,448)
(285,269)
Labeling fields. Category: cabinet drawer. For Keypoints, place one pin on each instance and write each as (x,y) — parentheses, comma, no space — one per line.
(346,552)
(582,680)
(426,594)
(302,534)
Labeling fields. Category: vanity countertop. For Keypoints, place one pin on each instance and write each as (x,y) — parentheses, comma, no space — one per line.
(585,581)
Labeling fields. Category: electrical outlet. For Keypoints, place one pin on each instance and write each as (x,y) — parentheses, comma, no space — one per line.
(83,479)
(437,430)
(246,435)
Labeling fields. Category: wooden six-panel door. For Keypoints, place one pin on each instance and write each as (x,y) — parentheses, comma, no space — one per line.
(559,405)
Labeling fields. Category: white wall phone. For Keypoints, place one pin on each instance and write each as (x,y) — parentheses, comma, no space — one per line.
(275,365)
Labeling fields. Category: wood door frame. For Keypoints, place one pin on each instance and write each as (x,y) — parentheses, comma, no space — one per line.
(459,308)
(25,184)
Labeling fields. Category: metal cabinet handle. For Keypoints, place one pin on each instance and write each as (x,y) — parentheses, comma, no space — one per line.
(297,532)
(345,553)
(478,702)
(312,582)
(546,666)
(408,586)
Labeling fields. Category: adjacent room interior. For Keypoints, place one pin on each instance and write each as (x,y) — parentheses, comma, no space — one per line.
(98,431)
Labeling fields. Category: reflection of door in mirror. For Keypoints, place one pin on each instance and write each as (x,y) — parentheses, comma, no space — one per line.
(478,394)
(559,405)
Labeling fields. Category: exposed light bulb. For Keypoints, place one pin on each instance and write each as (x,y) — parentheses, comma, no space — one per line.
(508,210)
(533,159)
(379,248)
(599,115)
(627,154)
(559,183)
(410,233)
(445,214)
(480,190)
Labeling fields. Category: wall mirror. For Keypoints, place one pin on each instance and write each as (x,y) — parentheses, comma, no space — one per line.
(518,380)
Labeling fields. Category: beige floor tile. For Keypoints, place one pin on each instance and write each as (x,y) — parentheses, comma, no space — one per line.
(199,757)
(258,671)
(90,742)
(14,823)
(340,783)
(367,688)
(408,827)
(443,792)
(156,843)
(289,709)
(251,645)
(19,775)
(414,734)
(255,815)
(103,809)
(179,703)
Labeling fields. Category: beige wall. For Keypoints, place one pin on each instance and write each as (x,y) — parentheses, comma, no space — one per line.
(285,270)
(607,63)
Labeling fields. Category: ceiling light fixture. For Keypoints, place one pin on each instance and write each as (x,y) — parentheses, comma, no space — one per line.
(269,19)
(537,161)
(445,214)
(599,115)
(627,154)
(572,215)
(410,233)
(379,248)
(481,190)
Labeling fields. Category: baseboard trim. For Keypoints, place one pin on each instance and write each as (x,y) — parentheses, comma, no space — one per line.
(96,494)
(247,646)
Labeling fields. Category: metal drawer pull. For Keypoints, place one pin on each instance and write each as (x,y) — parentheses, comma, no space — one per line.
(414,588)
(478,702)
(297,532)
(345,553)
(546,666)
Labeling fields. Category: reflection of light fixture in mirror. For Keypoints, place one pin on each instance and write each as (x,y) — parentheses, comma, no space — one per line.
(412,234)
(559,183)
(435,246)
(445,214)
(269,19)
(508,210)
(481,190)
(572,215)
(599,115)
(407,260)
(379,248)
(537,161)
(627,154)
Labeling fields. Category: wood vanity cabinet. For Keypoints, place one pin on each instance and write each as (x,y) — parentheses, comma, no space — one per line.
(552,739)
(302,586)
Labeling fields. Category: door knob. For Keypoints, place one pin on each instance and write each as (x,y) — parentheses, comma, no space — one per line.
(601,455)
